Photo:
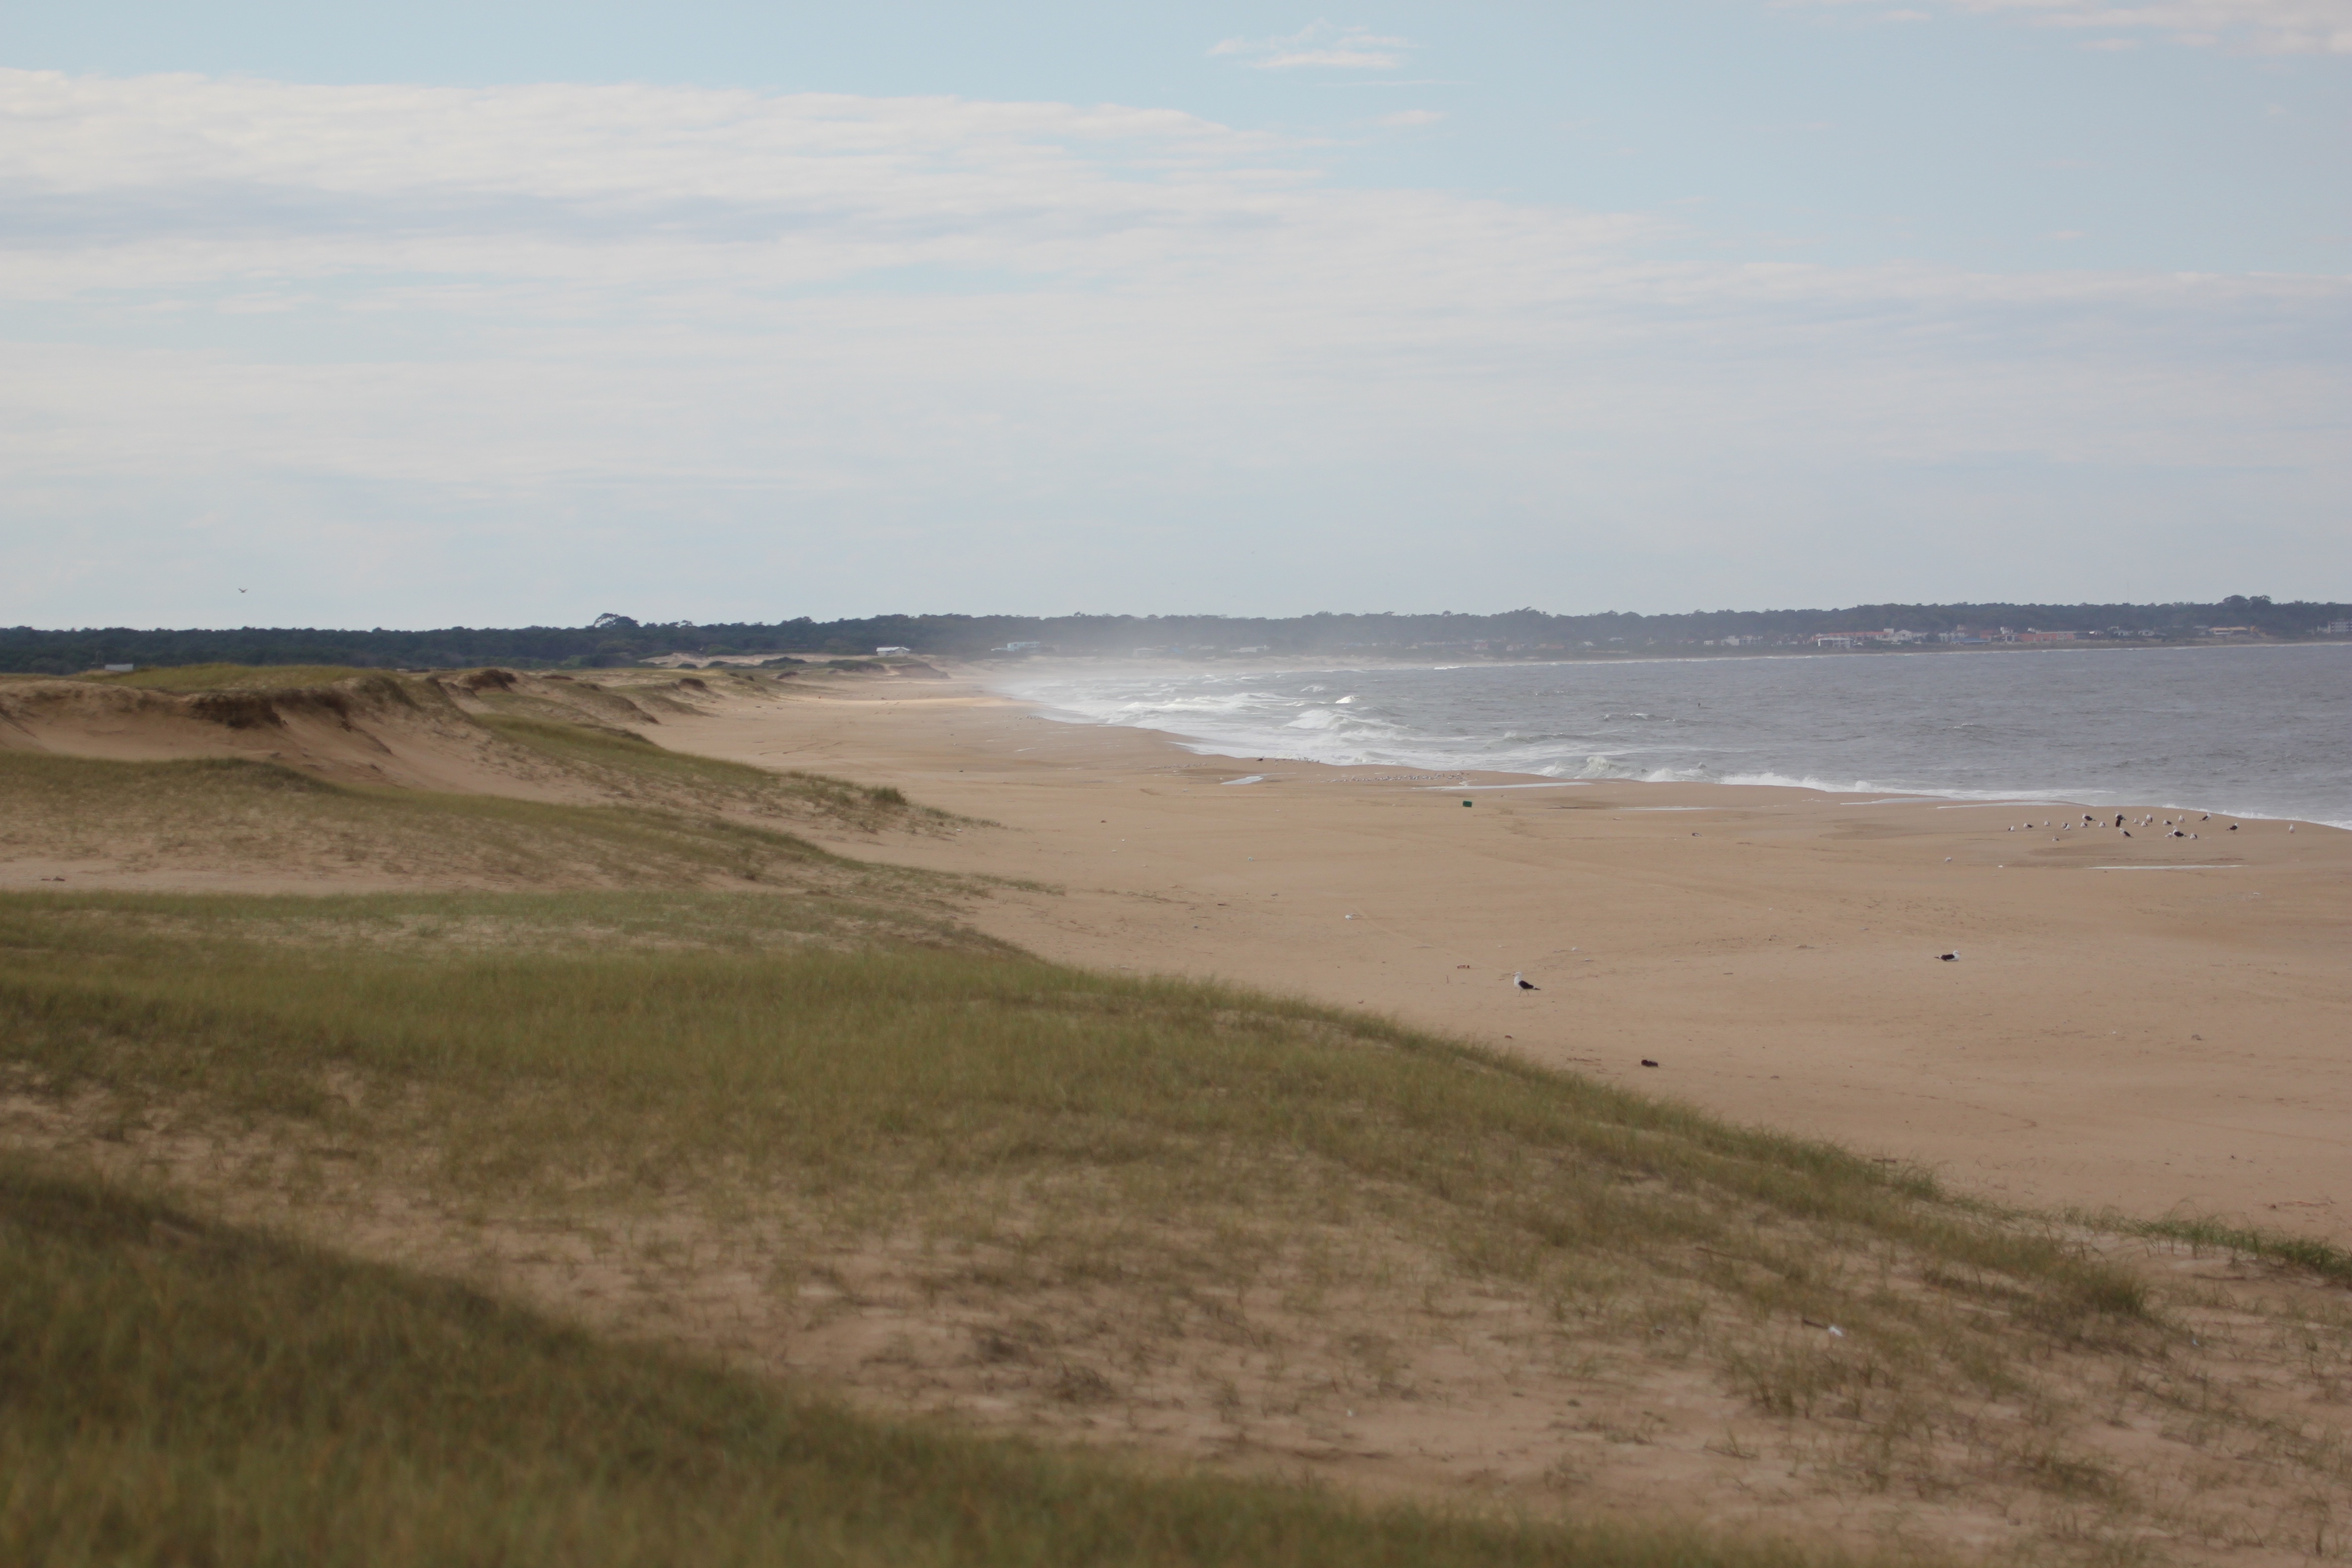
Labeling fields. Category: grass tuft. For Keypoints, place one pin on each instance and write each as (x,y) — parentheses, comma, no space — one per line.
(2327,1262)
(188,678)
(181,1392)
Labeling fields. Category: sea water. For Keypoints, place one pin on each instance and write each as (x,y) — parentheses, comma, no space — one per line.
(2259,732)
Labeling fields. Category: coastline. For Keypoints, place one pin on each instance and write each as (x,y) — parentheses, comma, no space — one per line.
(1516,718)
(2162,1043)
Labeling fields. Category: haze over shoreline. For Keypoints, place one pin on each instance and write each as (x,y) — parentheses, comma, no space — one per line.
(612,638)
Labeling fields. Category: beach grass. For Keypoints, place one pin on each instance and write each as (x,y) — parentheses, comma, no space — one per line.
(839,1082)
(188,678)
(1106,1193)
(634,762)
(697,1049)
(663,828)
(182,1392)
(716,1092)
(741,1117)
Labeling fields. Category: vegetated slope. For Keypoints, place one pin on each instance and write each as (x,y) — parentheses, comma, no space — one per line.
(390,781)
(1169,1216)
(180,1391)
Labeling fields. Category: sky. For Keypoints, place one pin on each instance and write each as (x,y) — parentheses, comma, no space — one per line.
(502,313)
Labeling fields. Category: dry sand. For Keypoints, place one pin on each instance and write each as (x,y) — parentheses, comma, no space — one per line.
(2158,1040)
(2162,1026)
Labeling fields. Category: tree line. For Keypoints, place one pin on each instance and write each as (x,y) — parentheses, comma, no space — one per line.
(612,639)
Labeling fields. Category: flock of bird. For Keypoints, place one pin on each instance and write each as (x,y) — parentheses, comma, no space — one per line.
(2172,824)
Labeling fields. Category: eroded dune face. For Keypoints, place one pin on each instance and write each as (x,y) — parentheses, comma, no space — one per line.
(385,729)
(78,718)
(481,779)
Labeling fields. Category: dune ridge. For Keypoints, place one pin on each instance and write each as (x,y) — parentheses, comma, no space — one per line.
(1039,1083)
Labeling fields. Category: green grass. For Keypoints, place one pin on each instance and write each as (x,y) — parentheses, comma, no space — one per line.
(232,813)
(697,1054)
(185,1393)
(789,1088)
(617,753)
(234,676)
(2299,1252)
(915,1082)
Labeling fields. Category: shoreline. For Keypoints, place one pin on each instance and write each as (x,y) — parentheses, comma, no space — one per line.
(2157,1045)
(1002,683)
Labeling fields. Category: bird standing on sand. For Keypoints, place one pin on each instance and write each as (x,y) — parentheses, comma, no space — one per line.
(1523,983)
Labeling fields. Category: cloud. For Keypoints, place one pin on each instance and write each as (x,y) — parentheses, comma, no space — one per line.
(440,348)
(2262,26)
(1405,118)
(1320,45)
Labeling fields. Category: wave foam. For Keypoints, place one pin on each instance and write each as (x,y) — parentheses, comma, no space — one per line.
(1662,724)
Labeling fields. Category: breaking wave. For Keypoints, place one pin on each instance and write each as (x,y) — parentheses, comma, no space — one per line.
(2255,732)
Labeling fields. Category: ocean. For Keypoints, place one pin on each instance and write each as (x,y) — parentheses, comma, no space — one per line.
(2259,731)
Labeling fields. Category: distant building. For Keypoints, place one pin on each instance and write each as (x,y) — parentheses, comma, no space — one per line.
(2229,631)
(884,652)
(121,668)
(1835,640)
(2048,636)
(2338,628)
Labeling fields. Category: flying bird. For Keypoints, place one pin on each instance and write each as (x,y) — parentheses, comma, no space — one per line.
(1523,983)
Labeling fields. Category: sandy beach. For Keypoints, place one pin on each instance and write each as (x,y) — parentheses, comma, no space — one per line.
(2160,1025)
(2151,1026)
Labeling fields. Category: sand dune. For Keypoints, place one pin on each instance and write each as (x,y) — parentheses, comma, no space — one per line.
(2167,1037)
(2154,1024)
(2175,1037)
(379,728)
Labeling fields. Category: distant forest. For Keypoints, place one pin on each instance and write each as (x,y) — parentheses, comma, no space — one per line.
(613,640)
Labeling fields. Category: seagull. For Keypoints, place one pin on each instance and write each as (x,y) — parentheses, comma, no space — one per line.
(1523,983)
(1948,957)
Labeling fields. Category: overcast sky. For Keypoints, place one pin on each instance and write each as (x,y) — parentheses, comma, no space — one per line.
(490,314)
